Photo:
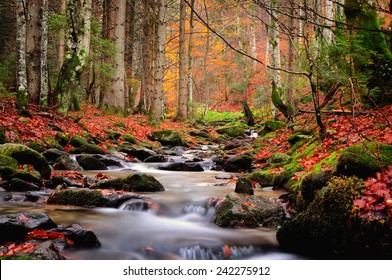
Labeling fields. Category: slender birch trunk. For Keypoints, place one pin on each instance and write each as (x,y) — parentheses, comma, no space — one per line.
(21,39)
(44,54)
(61,38)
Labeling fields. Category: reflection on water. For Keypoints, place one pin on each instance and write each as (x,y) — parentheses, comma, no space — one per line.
(181,229)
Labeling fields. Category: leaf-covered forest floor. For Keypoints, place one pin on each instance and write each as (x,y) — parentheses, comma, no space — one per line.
(343,130)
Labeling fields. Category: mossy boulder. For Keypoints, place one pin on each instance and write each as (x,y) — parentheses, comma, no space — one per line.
(26,155)
(9,170)
(114,184)
(271,126)
(263,177)
(170,138)
(142,183)
(296,137)
(364,160)
(239,163)
(278,158)
(88,149)
(88,198)
(113,134)
(8,167)
(62,138)
(232,131)
(129,138)
(8,162)
(282,179)
(51,142)
(38,146)
(82,198)
(248,211)
(132,183)
(329,228)
(190,166)
(78,140)
(140,153)
(312,183)
(88,162)
(201,133)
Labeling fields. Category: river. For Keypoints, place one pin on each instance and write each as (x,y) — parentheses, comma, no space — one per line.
(181,229)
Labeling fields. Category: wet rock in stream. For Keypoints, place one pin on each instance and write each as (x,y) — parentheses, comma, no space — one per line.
(183,166)
(33,235)
(244,186)
(132,183)
(248,211)
(16,226)
(89,198)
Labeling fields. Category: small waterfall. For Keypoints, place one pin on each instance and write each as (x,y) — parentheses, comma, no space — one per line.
(197,253)
(226,252)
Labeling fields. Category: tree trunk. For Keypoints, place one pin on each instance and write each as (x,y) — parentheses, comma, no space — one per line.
(61,38)
(147,49)
(248,114)
(77,50)
(190,59)
(156,110)
(33,49)
(205,62)
(330,17)
(44,54)
(182,111)
(130,51)
(118,93)
(274,47)
(21,39)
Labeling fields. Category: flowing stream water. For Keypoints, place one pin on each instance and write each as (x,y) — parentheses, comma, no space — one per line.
(181,229)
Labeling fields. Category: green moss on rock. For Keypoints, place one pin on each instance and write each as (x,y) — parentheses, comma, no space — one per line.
(169,138)
(241,210)
(26,155)
(232,131)
(7,161)
(271,126)
(264,177)
(88,162)
(88,149)
(324,229)
(62,138)
(142,183)
(129,138)
(78,141)
(364,160)
(82,198)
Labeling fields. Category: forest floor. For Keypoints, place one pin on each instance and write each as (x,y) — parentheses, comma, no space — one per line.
(343,130)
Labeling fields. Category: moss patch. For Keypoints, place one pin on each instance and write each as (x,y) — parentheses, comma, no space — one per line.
(364,160)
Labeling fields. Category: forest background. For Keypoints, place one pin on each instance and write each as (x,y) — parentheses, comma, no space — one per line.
(181,59)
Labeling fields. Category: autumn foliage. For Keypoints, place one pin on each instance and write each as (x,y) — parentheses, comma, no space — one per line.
(376,203)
